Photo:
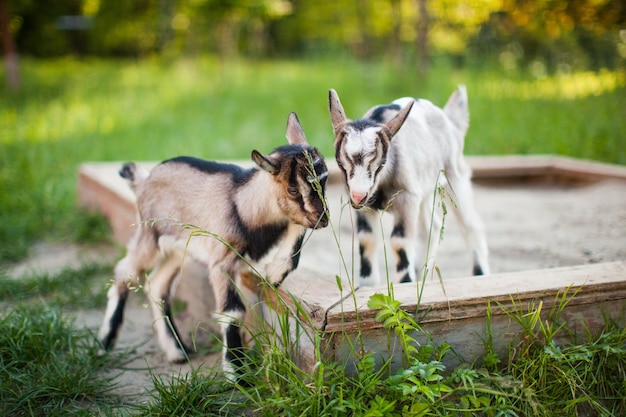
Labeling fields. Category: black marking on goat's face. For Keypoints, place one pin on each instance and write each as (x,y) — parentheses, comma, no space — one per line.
(361,153)
(303,175)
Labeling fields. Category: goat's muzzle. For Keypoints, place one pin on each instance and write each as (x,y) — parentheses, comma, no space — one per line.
(320,221)
(357,199)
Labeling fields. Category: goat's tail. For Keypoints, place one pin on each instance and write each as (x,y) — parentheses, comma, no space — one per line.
(135,175)
(457,109)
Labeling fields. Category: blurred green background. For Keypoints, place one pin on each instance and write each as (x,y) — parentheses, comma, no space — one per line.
(150,79)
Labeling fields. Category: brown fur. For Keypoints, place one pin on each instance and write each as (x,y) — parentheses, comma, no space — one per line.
(217,213)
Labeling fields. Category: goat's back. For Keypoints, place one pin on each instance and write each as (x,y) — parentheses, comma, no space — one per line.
(188,189)
(428,138)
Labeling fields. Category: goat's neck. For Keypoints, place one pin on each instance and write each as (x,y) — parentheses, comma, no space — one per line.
(256,201)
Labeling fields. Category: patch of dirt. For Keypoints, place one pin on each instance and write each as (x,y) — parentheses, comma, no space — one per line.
(532,226)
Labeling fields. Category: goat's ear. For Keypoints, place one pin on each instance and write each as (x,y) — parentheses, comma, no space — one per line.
(337,115)
(295,133)
(396,123)
(265,162)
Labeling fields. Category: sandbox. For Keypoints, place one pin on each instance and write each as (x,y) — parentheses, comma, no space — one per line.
(553,224)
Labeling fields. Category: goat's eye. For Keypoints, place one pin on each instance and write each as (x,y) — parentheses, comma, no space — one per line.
(293,191)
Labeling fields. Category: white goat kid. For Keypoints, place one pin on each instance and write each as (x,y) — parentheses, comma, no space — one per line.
(391,159)
(261,213)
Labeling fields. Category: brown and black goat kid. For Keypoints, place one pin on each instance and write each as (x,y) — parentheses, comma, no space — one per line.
(393,159)
(255,216)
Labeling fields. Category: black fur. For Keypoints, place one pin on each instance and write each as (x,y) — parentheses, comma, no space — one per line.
(233,300)
(261,239)
(379,112)
(366,266)
(293,182)
(234,348)
(116,321)
(167,312)
(128,171)
(295,258)
(403,261)
(377,201)
(361,223)
(240,175)
(398,230)
(362,124)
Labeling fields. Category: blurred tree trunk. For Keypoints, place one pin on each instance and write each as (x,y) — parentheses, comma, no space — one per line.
(8,46)
(422,37)
(166,32)
(365,43)
(394,43)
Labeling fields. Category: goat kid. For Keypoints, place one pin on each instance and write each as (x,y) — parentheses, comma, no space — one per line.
(261,213)
(391,160)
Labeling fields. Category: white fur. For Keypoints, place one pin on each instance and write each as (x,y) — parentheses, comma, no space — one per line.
(426,142)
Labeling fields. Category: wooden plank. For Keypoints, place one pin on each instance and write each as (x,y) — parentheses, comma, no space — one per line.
(554,169)
(582,170)
(458,317)
(101,188)
(467,297)
(510,166)
(316,294)
(466,336)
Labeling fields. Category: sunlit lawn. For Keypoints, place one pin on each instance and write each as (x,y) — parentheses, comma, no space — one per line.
(71,111)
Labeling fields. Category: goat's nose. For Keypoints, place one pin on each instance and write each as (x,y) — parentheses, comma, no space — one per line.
(323,222)
(358,197)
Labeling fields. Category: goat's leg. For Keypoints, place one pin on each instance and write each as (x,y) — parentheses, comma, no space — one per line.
(287,257)
(158,287)
(470,222)
(141,255)
(404,236)
(368,247)
(232,313)
(430,222)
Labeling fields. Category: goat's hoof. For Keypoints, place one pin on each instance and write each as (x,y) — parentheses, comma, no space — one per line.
(177,356)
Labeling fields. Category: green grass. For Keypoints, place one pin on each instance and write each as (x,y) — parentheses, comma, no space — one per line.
(48,367)
(71,111)
(77,289)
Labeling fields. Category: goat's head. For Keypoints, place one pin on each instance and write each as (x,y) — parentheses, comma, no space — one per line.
(361,148)
(301,173)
